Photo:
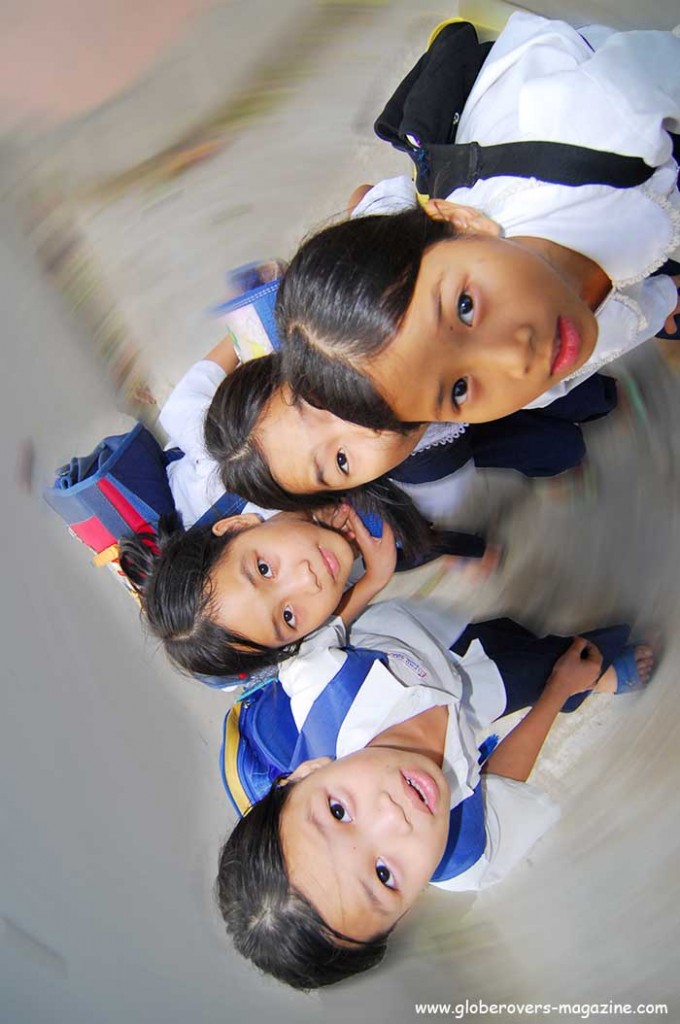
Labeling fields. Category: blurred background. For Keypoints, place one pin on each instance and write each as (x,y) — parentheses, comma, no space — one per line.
(146,148)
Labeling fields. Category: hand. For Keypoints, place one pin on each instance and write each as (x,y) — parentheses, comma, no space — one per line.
(577,670)
(379,553)
(334,515)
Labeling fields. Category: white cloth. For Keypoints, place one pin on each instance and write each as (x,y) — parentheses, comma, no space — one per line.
(612,91)
(422,673)
(195,479)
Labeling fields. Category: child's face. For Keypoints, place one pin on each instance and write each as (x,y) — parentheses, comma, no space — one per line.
(491,326)
(278,580)
(359,840)
(309,450)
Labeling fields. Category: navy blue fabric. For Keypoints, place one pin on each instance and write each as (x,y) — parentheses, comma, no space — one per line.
(544,442)
(227,504)
(595,397)
(533,445)
(525,660)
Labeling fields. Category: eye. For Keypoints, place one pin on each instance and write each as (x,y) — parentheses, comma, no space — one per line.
(465,309)
(338,811)
(289,617)
(459,392)
(264,569)
(384,874)
(342,462)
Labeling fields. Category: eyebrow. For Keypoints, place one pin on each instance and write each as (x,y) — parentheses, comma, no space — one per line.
(245,571)
(373,899)
(437,296)
(439,399)
(318,473)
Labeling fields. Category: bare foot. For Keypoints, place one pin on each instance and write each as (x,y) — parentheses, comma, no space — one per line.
(644,660)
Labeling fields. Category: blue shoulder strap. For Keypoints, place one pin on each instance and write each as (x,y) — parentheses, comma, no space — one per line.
(467,832)
(261,740)
(466,840)
(227,504)
(319,733)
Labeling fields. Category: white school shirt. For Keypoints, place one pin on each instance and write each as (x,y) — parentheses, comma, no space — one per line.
(422,673)
(617,91)
(195,479)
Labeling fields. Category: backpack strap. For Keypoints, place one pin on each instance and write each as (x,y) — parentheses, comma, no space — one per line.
(422,116)
(466,840)
(261,741)
(448,167)
(228,504)
(319,734)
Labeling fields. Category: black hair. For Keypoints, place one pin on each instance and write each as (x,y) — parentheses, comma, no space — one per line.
(270,922)
(171,571)
(342,300)
(230,433)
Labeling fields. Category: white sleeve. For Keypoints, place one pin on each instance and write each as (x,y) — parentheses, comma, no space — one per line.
(389,196)
(625,97)
(516,816)
(658,297)
(183,414)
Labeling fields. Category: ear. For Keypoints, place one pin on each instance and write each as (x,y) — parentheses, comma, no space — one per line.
(465,219)
(234,524)
(306,768)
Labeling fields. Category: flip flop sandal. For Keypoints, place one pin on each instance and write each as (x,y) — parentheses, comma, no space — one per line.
(627,677)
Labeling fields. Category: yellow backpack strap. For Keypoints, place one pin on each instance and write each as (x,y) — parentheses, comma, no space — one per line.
(232,737)
(440,28)
(106,556)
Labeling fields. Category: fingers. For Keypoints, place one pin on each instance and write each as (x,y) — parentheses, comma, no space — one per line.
(355,528)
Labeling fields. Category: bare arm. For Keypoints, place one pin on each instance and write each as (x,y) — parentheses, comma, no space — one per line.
(356,197)
(380,557)
(224,354)
(577,670)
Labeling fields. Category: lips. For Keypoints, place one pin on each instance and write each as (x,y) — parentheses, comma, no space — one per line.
(331,563)
(566,347)
(421,791)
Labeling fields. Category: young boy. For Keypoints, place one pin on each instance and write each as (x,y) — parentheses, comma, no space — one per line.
(319,871)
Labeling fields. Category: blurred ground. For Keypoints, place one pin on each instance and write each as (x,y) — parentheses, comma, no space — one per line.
(117,228)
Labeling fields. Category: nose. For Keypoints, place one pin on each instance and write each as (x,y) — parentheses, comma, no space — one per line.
(511,349)
(390,816)
(301,578)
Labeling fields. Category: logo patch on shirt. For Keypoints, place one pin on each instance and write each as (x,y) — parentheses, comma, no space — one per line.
(414,666)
